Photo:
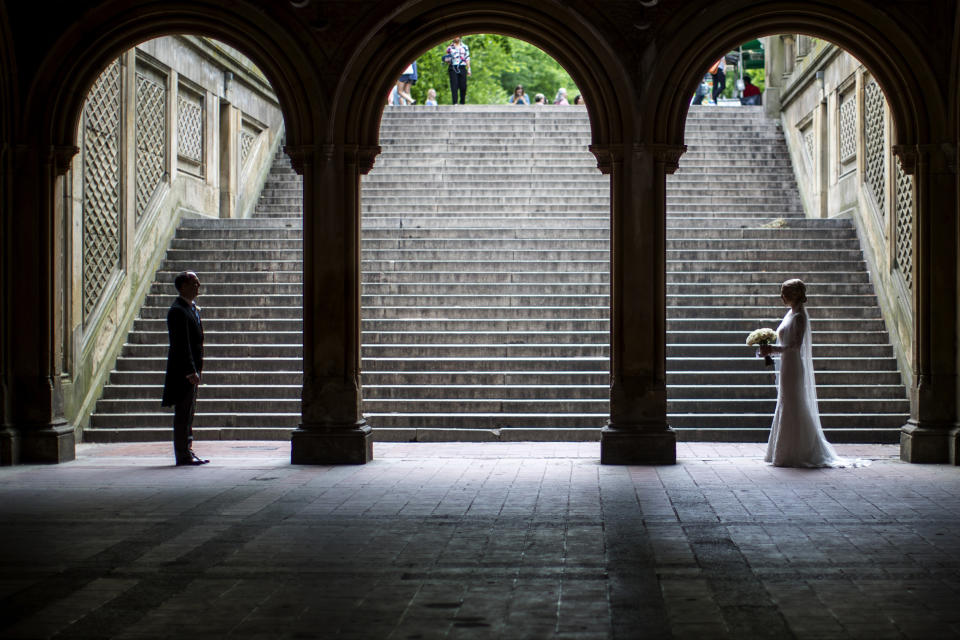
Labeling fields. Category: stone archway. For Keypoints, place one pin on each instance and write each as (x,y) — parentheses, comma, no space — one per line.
(326,89)
(637,430)
(45,144)
(923,142)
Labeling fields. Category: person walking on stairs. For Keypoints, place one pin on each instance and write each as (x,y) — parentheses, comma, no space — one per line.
(184,365)
(719,73)
(458,56)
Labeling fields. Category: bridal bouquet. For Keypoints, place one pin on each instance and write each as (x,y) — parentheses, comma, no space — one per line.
(762,337)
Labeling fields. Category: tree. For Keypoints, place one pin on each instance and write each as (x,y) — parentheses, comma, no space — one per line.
(499,64)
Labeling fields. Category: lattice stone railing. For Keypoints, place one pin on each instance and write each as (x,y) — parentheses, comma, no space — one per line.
(875,176)
(246,143)
(190,127)
(848,129)
(151,105)
(101,185)
(809,146)
(903,238)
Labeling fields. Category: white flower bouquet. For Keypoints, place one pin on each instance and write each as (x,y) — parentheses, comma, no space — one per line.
(762,337)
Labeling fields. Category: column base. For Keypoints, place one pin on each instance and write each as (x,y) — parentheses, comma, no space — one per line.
(9,447)
(635,446)
(930,444)
(52,444)
(352,445)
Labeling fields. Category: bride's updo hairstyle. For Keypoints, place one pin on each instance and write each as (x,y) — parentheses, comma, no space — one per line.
(794,290)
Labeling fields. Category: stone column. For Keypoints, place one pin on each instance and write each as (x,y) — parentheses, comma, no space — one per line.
(931,434)
(773,74)
(789,55)
(333,430)
(9,437)
(637,432)
(229,159)
(35,429)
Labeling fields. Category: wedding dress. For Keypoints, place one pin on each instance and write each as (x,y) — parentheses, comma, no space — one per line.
(796,437)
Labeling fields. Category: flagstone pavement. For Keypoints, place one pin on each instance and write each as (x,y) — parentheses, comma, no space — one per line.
(525,540)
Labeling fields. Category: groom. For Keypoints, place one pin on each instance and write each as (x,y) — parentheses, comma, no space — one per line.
(184,365)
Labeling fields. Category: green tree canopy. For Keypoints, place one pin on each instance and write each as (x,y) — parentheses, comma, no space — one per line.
(499,64)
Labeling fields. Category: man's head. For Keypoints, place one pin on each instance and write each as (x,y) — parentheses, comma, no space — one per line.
(187,284)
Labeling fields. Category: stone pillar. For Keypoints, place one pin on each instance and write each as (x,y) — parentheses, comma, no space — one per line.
(333,430)
(789,54)
(35,428)
(9,437)
(637,432)
(931,434)
(773,74)
(229,159)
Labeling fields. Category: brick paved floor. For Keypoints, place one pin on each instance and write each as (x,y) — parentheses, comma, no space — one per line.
(477,541)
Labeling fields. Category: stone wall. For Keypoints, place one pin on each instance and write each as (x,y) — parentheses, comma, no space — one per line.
(178,126)
(838,129)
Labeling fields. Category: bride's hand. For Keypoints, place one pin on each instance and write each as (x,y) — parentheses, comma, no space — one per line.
(765,350)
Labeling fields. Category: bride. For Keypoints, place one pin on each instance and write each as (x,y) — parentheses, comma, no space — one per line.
(796,437)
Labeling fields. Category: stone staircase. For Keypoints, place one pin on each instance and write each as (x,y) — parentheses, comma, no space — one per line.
(736,230)
(485,284)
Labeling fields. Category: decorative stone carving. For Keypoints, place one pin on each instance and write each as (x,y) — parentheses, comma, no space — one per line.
(874,105)
(151,136)
(190,127)
(606,156)
(246,143)
(848,129)
(668,154)
(809,147)
(366,156)
(904,225)
(101,185)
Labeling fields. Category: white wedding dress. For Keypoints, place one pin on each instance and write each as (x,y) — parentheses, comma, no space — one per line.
(796,437)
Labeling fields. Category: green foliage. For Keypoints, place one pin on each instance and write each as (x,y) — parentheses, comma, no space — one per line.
(499,64)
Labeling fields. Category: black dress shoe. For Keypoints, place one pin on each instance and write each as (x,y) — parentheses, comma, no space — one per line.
(197,459)
(191,463)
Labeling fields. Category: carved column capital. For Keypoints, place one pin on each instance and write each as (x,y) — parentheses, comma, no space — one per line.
(607,155)
(303,155)
(61,156)
(940,157)
(667,154)
(907,153)
(363,156)
(366,156)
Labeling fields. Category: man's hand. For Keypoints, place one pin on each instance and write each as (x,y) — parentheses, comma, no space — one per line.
(194,378)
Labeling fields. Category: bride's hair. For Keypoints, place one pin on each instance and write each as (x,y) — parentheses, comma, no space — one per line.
(794,289)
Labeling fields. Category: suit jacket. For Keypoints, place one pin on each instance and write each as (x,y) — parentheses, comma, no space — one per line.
(185,355)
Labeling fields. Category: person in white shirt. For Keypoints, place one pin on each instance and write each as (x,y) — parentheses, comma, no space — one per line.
(458,56)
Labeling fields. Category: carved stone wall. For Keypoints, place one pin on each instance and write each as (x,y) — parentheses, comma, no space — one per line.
(848,129)
(150,136)
(903,232)
(246,143)
(863,178)
(148,154)
(874,142)
(190,131)
(101,185)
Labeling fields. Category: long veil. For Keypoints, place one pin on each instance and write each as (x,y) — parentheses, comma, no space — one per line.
(809,383)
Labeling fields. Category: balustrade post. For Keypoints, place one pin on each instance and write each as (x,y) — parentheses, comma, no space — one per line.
(637,431)
(932,433)
(333,429)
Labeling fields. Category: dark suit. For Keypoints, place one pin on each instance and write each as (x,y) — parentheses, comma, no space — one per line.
(184,357)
